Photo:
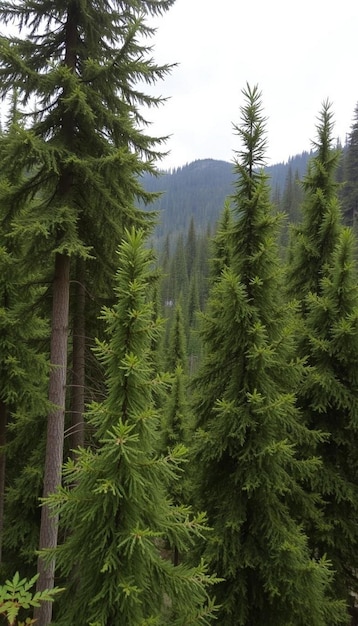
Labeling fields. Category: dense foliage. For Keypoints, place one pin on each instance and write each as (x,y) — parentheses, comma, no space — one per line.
(178,429)
(322,276)
(114,505)
(247,450)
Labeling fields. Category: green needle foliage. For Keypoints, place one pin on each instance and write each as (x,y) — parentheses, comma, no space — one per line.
(322,276)
(71,165)
(329,398)
(220,253)
(74,153)
(176,422)
(249,475)
(177,352)
(24,371)
(314,239)
(114,506)
(349,191)
(77,140)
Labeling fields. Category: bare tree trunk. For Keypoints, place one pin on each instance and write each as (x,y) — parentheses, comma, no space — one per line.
(78,359)
(55,428)
(3,422)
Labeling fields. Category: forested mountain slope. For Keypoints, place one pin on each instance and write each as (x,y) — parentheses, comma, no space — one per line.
(198,190)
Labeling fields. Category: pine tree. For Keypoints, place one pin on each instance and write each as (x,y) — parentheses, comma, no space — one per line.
(291,202)
(166,295)
(292,196)
(179,274)
(176,410)
(72,169)
(203,260)
(314,239)
(350,169)
(176,422)
(191,248)
(114,508)
(249,475)
(175,288)
(194,343)
(329,399)
(193,299)
(327,340)
(24,371)
(177,342)
(220,247)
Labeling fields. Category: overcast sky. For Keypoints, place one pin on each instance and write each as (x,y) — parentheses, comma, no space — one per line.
(298,53)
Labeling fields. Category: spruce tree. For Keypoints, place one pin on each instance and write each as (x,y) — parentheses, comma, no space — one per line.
(175,288)
(176,421)
(177,354)
(292,196)
(327,339)
(290,203)
(329,399)
(191,248)
(115,513)
(349,193)
(72,167)
(179,274)
(315,237)
(23,406)
(249,474)
(165,291)
(175,414)
(203,262)
(220,246)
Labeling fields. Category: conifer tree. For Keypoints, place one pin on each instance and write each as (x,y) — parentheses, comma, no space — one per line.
(290,204)
(314,239)
(114,508)
(193,298)
(350,172)
(329,399)
(174,427)
(166,294)
(220,247)
(179,274)
(175,288)
(177,342)
(23,405)
(327,340)
(176,414)
(203,261)
(292,196)
(194,343)
(249,475)
(191,248)
(72,169)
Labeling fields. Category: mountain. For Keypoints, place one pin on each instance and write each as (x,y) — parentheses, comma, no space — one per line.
(198,190)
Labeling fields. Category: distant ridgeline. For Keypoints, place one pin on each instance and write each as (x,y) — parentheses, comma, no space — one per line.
(198,190)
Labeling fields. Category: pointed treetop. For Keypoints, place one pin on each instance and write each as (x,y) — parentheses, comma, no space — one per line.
(252,131)
(314,239)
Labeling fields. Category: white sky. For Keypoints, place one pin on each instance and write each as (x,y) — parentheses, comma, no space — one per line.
(299,54)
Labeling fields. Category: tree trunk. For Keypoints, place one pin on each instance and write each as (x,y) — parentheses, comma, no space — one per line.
(78,359)
(59,340)
(3,422)
(55,428)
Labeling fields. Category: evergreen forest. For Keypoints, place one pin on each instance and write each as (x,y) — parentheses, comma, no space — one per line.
(178,349)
